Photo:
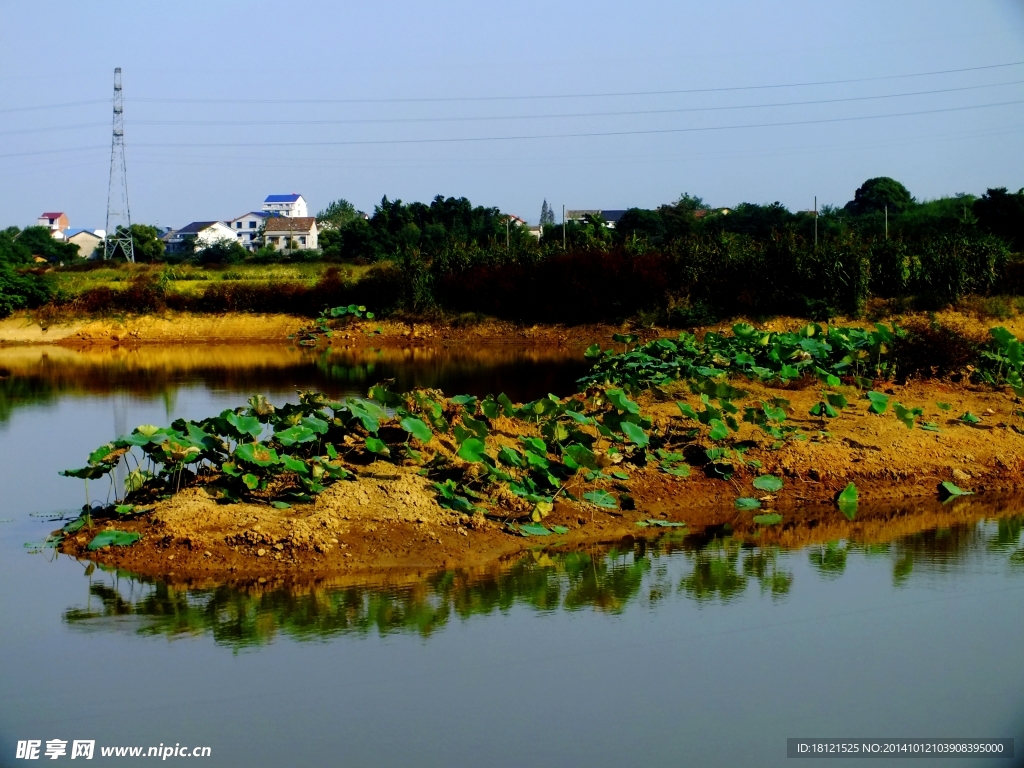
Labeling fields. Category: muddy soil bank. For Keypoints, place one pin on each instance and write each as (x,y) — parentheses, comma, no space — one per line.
(242,327)
(239,327)
(388,516)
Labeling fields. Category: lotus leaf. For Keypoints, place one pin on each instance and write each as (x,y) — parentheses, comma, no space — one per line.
(417,428)
(472,450)
(635,434)
(113,537)
(948,490)
(256,453)
(746,502)
(245,425)
(771,518)
(376,445)
(769,483)
(601,499)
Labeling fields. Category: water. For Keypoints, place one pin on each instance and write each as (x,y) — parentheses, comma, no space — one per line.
(687,651)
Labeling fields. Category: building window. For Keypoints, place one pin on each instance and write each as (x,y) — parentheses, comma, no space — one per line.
(252,225)
(302,240)
(238,225)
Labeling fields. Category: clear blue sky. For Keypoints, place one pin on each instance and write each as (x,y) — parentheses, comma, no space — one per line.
(226,102)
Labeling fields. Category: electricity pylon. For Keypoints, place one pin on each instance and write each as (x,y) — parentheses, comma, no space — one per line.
(119,219)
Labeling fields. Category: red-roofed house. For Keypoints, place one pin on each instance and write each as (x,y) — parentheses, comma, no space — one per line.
(56,221)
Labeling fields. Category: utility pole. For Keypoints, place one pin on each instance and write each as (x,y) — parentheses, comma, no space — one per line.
(118,213)
(815,221)
(887,222)
(563,227)
(507,220)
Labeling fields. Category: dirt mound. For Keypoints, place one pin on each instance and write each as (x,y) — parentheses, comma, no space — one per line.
(382,493)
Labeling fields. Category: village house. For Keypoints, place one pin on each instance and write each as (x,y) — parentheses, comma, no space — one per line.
(56,221)
(295,234)
(200,234)
(610,217)
(87,240)
(247,227)
(292,205)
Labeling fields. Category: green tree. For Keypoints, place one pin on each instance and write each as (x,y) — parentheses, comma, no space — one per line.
(39,241)
(547,215)
(146,243)
(879,193)
(337,214)
(1002,213)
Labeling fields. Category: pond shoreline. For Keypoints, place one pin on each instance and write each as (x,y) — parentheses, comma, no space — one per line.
(376,556)
(24,328)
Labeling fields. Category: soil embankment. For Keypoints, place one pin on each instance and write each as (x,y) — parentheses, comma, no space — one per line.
(249,328)
(388,516)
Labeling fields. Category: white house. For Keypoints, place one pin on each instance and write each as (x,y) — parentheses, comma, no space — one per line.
(285,205)
(202,234)
(246,228)
(290,233)
(56,221)
(86,239)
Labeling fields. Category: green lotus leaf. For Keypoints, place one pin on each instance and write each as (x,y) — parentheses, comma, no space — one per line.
(770,518)
(472,450)
(769,483)
(256,453)
(245,425)
(746,502)
(113,538)
(601,498)
(417,428)
(947,490)
(296,434)
(376,445)
(635,434)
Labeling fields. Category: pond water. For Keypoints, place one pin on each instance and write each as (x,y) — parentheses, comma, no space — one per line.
(690,650)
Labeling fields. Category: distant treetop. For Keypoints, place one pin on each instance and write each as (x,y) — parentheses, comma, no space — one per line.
(879,193)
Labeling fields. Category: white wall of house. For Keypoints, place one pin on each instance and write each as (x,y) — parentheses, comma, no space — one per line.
(215,233)
(291,239)
(292,208)
(86,242)
(246,228)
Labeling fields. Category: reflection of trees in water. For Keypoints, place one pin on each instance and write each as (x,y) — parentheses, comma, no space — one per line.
(706,569)
(829,559)
(938,551)
(717,573)
(524,373)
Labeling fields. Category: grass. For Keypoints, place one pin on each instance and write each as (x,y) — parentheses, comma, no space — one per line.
(190,279)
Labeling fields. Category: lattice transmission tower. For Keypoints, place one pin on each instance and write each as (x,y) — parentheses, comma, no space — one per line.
(119,218)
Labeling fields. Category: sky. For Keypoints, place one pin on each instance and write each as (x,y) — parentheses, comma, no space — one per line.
(586,105)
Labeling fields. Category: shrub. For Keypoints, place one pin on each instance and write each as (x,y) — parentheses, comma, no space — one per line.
(22,291)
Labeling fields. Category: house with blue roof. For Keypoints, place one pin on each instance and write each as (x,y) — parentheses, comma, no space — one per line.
(285,205)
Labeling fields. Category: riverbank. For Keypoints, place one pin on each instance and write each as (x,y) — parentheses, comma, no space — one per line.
(24,328)
(972,317)
(388,516)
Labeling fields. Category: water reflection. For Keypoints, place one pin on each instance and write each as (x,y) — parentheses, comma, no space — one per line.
(706,569)
(39,375)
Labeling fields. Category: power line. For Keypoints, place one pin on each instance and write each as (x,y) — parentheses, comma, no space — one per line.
(578,135)
(523,137)
(55,106)
(620,113)
(52,128)
(562,115)
(519,98)
(574,95)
